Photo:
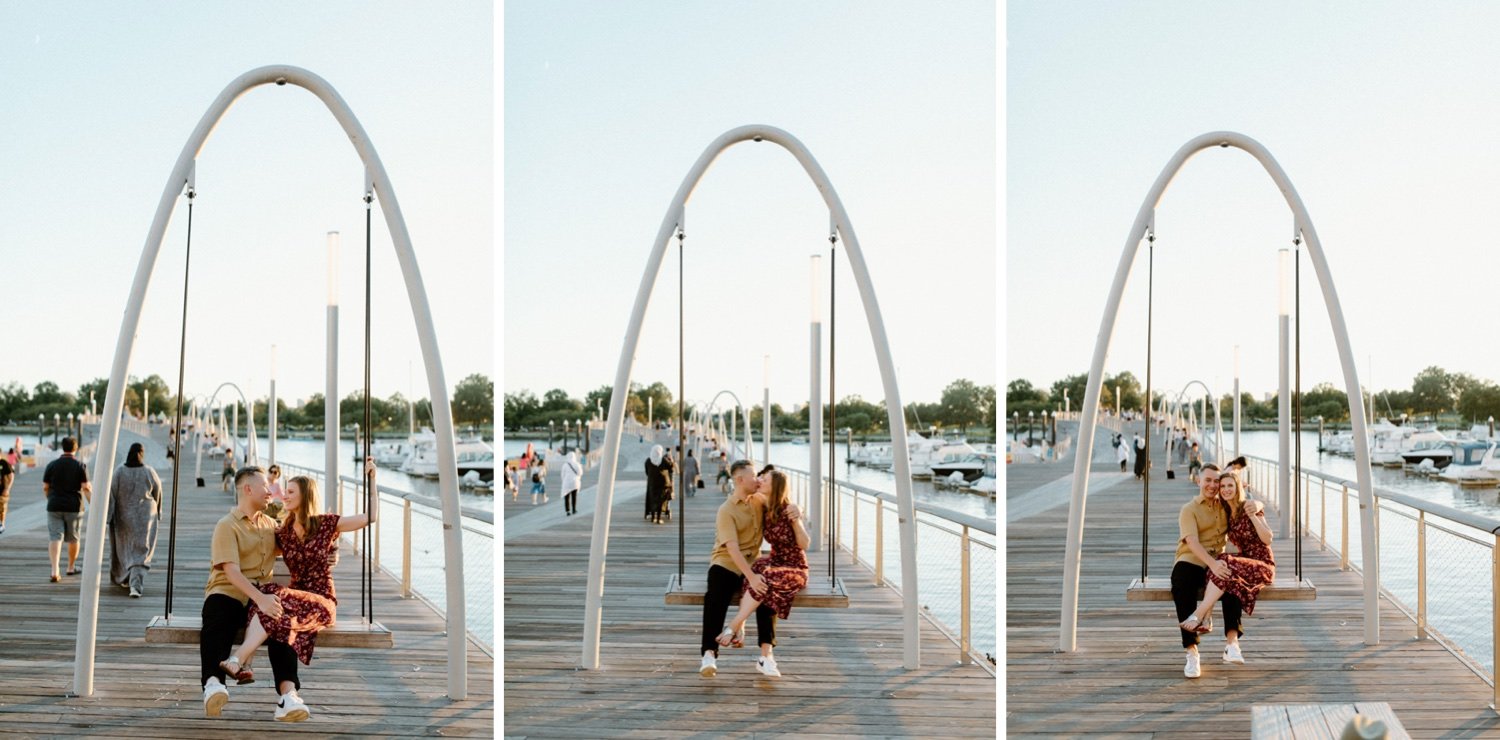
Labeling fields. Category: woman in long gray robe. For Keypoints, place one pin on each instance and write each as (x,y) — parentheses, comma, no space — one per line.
(135,506)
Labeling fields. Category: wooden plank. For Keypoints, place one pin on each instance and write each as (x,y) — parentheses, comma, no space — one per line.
(1269,720)
(1382,711)
(1281,589)
(819,594)
(184,630)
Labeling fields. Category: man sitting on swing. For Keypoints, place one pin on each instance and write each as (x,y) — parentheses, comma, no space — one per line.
(243,553)
(737,538)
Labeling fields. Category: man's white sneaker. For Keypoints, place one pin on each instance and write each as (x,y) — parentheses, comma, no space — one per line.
(215,696)
(1192,669)
(710,666)
(291,708)
(1232,654)
(134,594)
(767,665)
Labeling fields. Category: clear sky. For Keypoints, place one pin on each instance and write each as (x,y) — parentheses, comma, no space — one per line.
(96,101)
(607,105)
(1382,114)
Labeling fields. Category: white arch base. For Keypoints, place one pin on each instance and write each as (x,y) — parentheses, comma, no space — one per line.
(1144,222)
(905,508)
(437,386)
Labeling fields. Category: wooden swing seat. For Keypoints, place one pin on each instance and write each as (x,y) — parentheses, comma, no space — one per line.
(184,630)
(1281,589)
(819,594)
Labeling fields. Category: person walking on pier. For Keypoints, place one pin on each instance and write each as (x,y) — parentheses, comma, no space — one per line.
(228,475)
(7,476)
(1247,573)
(538,478)
(135,509)
(784,569)
(737,537)
(690,472)
(572,478)
(1202,525)
(1122,453)
(1140,457)
(659,471)
(66,485)
(1195,462)
(722,480)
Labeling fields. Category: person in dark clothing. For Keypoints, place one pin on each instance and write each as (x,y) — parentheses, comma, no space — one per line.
(66,485)
(661,472)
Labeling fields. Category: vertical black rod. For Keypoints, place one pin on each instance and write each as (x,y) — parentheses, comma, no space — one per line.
(187,262)
(372,498)
(681,430)
(1146,494)
(1297,399)
(833,410)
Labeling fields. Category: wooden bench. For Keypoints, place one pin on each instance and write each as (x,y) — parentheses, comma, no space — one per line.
(819,594)
(1282,589)
(183,630)
(1319,720)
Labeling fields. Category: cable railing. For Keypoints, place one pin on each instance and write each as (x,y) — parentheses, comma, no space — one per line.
(407,545)
(867,530)
(1453,601)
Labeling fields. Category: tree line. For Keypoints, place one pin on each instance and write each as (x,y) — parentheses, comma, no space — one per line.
(473,404)
(1434,392)
(964,404)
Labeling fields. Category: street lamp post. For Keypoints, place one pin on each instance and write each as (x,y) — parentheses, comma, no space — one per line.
(41,429)
(271,409)
(1030,417)
(550,427)
(1015,425)
(1284,398)
(331,420)
(765,410)
(56,427)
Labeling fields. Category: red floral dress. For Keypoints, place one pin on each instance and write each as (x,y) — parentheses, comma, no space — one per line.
(308,604)
(784,570)
(1251,570)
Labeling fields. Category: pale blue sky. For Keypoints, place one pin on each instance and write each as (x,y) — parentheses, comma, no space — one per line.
(1382,114)
(607,105)
(96,101)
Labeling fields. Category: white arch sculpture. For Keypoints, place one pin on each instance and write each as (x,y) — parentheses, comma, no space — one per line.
(250,447)
(1302,226)
(905,509)
(714,404)
(377,182)
(1218,420)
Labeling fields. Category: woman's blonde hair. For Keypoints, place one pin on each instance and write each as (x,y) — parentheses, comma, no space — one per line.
(776,499)
(310,512)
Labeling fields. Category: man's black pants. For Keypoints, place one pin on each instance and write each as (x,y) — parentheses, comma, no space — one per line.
(722,585)
(1188,581)
(223,617)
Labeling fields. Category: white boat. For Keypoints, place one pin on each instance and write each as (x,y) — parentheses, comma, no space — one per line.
(1473,464)
(423,458)
(923,451)
(959,458)
(393,454)
(476,456)
(1429,446)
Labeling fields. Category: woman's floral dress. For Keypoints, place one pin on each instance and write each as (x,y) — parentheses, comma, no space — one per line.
(784,569)
(308,604)
(1251,570)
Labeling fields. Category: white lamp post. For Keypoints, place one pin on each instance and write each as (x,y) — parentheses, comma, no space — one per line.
(1236,400)
(271,408)
(330,380)
(1284,398)
(765,415)
(815,407)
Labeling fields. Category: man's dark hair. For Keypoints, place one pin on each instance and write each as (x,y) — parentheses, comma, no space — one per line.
(1209,467)
(69,444)
(246,472)
(739,465)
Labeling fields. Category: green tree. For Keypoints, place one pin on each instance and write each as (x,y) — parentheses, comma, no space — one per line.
(1132,395)
(520,407)
(1074,388)
(962,404)
(474,401)
(1433,391)
(1480,402)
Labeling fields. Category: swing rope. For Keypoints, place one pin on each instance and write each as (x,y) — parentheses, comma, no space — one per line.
(371,497)
(833,406)
(681,430)
(177,415)
(1146,495)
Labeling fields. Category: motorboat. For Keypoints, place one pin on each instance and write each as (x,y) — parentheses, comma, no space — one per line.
(1473,464)
(423,458)
(923,451)
(959,458)
(393,454)
(476,456)
(1429,447)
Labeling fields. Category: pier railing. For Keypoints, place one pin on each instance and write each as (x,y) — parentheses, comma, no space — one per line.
(866,520)
(407,544)
(1440,566)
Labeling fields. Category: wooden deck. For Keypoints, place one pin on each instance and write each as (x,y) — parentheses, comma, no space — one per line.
(841,668)
(152,690)
(1126,678)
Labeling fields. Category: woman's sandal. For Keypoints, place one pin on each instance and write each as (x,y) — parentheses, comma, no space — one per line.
(232,668)
(739,638)
(726,637)
(1192,624)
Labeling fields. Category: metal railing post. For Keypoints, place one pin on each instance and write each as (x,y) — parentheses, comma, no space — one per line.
(406,549)
(1344,540)
(375,525)
(964,606)
(1494,613)
(1421,575)
(1323,515)
(854,540)
(879,542)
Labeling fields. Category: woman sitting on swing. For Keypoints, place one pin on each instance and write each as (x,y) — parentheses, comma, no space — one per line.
(784,570)
(305,542)
(1249,571)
